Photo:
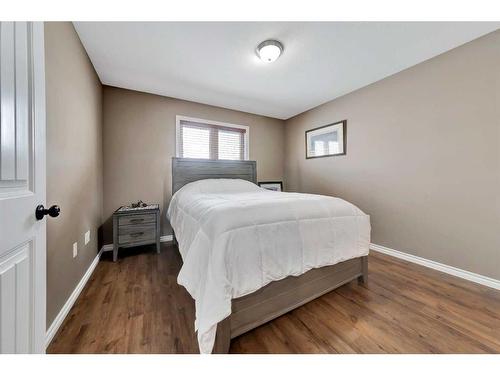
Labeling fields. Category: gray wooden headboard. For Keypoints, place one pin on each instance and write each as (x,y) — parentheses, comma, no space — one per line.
(186,170)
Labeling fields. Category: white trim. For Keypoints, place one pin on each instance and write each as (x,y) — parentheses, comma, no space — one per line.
(56,324)
(38,185)
(167,238)
(463,274)
(109,246)
(179,118)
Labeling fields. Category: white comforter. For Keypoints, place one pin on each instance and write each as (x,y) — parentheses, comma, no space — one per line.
(235,238)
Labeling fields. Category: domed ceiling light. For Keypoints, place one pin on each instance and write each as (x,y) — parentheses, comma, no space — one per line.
(269,50)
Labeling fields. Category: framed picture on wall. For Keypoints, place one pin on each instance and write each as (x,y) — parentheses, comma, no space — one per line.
(272,185)
(327,140)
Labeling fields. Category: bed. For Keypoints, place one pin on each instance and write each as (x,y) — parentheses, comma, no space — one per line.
(250,255)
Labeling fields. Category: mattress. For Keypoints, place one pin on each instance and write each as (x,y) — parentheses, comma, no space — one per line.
(235,237)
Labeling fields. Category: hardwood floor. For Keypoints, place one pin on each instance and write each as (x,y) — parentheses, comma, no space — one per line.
(136,306)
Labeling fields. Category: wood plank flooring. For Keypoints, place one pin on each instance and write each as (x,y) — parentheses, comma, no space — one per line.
(136,306)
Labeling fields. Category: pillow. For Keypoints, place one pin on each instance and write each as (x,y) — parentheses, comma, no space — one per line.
(219,185)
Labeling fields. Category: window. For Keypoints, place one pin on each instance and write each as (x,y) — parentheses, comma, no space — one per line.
(204,139)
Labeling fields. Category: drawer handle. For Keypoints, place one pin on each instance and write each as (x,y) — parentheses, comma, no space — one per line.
(136,234)
(136,220)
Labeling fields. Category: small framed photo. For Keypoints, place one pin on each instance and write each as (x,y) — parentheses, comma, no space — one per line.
(272,185)
(328,140)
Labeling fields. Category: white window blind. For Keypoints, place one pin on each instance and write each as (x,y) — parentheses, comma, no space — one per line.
(206,140)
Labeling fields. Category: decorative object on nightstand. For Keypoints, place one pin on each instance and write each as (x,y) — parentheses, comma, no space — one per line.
(136,225)
(272,185)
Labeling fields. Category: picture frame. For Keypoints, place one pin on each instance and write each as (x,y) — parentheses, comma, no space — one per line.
(327,140)
(272,185)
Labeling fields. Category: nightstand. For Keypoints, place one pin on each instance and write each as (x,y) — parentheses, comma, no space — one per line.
(135,227)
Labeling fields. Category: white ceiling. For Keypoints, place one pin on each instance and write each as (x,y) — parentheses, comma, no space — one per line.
(215,62)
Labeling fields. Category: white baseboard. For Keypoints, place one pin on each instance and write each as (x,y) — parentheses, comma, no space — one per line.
(167,238)
(108,247)
(467,275)
(56,324)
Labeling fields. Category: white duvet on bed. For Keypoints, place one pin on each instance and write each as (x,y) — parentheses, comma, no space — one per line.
(235,238)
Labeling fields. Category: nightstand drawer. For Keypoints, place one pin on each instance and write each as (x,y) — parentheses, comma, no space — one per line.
(136,233)
(137,219)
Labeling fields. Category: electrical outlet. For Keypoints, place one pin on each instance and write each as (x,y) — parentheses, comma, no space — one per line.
(75,250)
(87,237)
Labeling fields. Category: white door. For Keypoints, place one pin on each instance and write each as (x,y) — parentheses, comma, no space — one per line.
(22,188)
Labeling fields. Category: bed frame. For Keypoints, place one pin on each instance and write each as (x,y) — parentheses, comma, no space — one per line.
(278,297)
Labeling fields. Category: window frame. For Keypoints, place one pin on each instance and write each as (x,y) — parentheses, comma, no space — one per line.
(246,137)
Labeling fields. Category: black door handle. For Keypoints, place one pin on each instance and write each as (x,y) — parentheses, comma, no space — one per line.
(41,211)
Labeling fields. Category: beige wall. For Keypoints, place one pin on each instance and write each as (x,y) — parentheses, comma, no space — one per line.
(423,157)
(74,161)
(139,142)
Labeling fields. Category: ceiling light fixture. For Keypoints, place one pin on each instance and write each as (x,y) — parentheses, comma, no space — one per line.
(269,50)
